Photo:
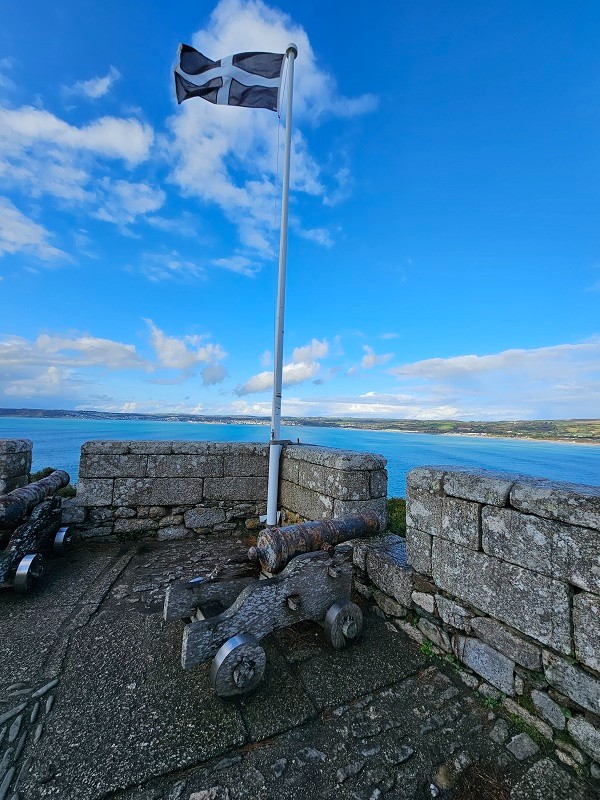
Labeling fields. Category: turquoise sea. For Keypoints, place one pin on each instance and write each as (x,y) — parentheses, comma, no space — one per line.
(57,443)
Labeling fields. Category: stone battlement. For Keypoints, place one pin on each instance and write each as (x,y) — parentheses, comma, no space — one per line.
(502,574)
(175,489)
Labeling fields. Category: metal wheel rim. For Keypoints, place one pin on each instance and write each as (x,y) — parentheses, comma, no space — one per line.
(62,540)
(29,570)
(219,663)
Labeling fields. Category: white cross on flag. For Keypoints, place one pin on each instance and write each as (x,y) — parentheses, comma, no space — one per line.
(246,79)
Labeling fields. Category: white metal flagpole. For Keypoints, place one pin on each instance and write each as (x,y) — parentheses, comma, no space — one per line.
(275,446)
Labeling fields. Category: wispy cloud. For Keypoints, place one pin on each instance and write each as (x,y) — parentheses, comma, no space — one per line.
(97,87)
(303,366)
(20,233)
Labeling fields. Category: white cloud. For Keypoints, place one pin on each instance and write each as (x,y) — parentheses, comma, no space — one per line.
(19,233)
(266,358)
(237,263)
(213,374)
(124,201)
(168,266)
(183,353)
(68,351)
(51,382)
(317,235)
(312,351)
(110,137)
(97,87)
(543,362)
(293,374)
(228,156)
(371,359)
(553,382)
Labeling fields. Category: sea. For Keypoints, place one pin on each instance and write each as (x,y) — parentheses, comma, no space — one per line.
(57,443)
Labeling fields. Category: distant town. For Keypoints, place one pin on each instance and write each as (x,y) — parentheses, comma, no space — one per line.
(585,431)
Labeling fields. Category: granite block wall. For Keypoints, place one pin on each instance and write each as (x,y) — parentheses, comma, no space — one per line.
(15,463)
(173,490)
(500,574)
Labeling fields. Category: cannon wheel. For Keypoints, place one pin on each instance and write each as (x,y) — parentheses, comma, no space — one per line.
(62,541)
(30,569)
(343,623)
(238,667)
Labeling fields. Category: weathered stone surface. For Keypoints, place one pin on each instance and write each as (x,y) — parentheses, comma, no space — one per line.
(184,466)
(72,512)
(453,614)
(505,641)
(123,513)
(173,532)
(158,491)
(522,746)
(515,709)
(95,492)
(585,735)
(424,511)
(113,466)
(100,514)
(204,517)
(246,464)
(565,552)
(435,634)
(106,447)
(388,605)
(418,550)
(379,482)
(496,668)
(533,604)
(170,519)
(548,709)
(574,503)
(427,479)
(288,468)
(424,600)
(309,505)
(363,546)
(139,527)
(345,485)
(547,781)
(334,458)
(378,504)
(580,686)
(490,487)
(387,567)
(235,488)
(460,522)
(586,629)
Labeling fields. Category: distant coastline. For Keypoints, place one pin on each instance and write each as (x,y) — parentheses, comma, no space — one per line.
(574,431)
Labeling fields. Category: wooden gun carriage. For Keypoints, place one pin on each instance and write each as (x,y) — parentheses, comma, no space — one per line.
(305,574)
(30,525)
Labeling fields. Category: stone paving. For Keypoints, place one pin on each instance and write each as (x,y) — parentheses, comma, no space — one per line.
(94,704)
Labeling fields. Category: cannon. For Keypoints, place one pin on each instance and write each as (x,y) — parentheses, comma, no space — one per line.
(30,525)
(295,573)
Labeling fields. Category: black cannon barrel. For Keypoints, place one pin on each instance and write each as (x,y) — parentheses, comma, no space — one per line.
(15,505)
(275,547)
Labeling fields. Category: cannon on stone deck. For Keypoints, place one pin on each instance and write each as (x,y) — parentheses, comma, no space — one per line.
(295,573)
(30,525)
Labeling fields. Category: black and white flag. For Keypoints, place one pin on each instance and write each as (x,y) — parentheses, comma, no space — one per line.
(246,79)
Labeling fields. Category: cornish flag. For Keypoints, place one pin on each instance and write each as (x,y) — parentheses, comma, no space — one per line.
(246,79)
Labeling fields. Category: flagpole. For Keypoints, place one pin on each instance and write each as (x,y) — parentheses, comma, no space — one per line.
(274,443)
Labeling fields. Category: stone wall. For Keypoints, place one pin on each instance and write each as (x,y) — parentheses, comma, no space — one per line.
(320,482)
(15,463)
(500,575)
(174,490)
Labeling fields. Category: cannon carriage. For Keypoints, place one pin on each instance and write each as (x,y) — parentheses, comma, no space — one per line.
(295,573)
(30,527)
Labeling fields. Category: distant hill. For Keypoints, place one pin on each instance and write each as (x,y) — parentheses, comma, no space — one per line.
(567,430)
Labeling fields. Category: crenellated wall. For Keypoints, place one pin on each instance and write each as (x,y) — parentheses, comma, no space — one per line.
(174,490)
(15,463)
(501,574)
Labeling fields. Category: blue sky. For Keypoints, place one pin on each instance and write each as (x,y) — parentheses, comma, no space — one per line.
(444,254)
